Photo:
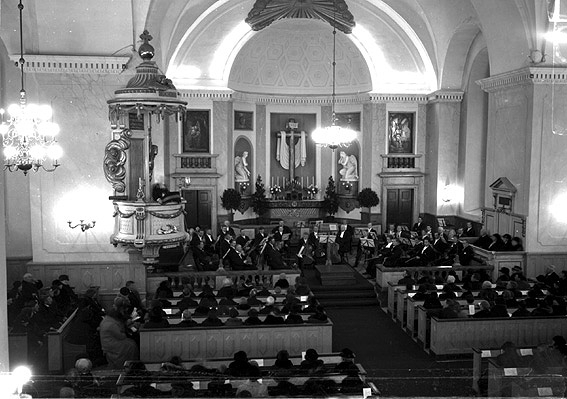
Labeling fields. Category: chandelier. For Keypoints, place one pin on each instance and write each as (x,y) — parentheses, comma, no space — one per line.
(28,134)
(334,135)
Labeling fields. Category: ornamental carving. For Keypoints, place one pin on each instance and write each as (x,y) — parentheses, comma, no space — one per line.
(335,12)
(115,160)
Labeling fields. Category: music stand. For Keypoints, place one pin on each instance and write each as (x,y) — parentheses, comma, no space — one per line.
(367,242)
(327,238)
(285,237)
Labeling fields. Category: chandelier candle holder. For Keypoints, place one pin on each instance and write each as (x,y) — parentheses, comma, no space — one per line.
(84,226)
(333,136)
(28,133)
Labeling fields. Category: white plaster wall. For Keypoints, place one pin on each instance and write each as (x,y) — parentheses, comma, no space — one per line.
(547,224)
(77,189)
(508,142)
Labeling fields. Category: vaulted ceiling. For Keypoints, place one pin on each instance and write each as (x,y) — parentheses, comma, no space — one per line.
(396,45)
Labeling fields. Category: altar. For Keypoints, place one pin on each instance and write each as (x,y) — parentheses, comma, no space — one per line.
(295,210)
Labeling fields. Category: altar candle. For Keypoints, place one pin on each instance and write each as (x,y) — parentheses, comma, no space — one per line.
(301,181)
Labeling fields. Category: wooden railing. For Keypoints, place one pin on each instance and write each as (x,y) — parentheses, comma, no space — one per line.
(401,162)
(196,163)
(158,345)
(56,343)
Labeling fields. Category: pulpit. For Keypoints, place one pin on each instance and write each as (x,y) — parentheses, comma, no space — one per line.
(147,216)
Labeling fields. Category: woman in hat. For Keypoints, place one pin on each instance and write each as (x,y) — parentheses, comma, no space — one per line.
(116,345)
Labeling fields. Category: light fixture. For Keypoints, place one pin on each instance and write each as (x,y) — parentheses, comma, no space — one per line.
(84,226)
(28,134)
(334,135)
(183,183)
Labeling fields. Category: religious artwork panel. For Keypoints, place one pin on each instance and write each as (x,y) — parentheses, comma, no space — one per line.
(349,120)
(292,166)
(196,131)
(243,120)
(400,132)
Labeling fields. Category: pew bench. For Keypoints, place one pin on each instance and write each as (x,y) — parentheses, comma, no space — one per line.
(459,336)
(522,382)
(59,354)
(481,357)
(159,345)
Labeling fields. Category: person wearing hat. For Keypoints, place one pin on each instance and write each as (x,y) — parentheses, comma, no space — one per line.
(269,307)
(116,344)
(311,363)
(347,361)
(240,367)
(212,319)
(234,319)
(253,319)
(67,293)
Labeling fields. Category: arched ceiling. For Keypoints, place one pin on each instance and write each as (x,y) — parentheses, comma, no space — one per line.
(404,43)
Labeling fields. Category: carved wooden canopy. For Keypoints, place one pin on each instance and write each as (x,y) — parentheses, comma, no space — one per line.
(335,12)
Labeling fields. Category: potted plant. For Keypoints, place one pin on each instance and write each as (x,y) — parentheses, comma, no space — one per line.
(367,198)
(259,200)
(230,200)
(331,198)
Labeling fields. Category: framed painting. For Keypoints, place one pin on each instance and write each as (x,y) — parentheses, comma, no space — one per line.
(349,119)
(243,120)
(400,132)
(196,131)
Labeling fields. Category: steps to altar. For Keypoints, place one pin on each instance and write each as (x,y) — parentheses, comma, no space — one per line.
(335,274)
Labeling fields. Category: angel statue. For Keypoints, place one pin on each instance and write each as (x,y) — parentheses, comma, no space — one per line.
(349,171)
(241,172)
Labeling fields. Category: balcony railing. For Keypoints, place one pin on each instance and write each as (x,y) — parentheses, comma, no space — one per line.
(200,163)
(401,162)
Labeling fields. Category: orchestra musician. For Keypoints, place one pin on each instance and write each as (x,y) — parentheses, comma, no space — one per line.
(243,240)
(236,258)
(257,245)
(344,241)
(369,233)
(203,261)
(209,242)
(272,252)
(229,229)
(318,251)
(305,253)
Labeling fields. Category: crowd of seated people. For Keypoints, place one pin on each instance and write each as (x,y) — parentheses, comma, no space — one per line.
(243,377)
(36,310)
(476,296)
(236,304)
(498,243)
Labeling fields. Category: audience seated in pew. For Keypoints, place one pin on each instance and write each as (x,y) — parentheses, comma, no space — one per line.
(253,319)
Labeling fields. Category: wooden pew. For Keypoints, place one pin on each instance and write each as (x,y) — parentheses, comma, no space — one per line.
(56,344)
(498,260)
(521,382)
(217,277)
(483,355)
(158,345)
(176,319)
(17,349)
(395,274)
(459,336)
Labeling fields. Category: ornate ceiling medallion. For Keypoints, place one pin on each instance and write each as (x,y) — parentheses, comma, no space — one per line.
(335,12)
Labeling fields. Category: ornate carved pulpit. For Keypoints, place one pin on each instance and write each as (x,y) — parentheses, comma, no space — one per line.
(143,221)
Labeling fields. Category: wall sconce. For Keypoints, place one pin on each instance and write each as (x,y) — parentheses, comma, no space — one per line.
(450,193)
(183,182)
(84,226)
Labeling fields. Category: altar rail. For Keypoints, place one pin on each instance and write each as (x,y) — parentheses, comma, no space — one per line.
(459,336)
(158,345)
(215,279)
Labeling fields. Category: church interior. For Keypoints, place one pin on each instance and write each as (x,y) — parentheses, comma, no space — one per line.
(449,111)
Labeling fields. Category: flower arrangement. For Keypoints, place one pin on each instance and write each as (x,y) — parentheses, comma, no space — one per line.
(275,189)
(347,185)
(312,190)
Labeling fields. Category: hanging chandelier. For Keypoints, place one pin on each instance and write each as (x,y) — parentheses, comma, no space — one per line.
(333,136)
(28,133)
